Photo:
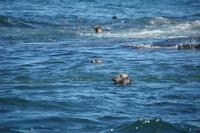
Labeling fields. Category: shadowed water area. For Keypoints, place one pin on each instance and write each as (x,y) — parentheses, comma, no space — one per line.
(49,85)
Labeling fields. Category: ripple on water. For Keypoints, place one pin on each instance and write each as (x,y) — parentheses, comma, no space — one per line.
(152,126)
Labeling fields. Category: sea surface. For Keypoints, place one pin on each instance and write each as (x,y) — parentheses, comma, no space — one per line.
(49,85)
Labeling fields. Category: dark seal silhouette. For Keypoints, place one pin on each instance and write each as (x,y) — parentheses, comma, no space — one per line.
(122,78)
(114,17)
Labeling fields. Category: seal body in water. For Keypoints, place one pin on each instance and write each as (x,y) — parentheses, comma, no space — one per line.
(98,29)
(122,78)
(97,61)
(114,17)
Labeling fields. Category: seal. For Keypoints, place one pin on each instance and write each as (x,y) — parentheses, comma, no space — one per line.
(114,17)
(97,61)
(98,29)
(122,78)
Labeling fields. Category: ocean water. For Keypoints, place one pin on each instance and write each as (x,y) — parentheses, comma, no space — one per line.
(49,85)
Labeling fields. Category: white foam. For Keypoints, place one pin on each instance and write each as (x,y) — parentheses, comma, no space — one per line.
(151,46)
(148,46)
(131,34)
(160,20)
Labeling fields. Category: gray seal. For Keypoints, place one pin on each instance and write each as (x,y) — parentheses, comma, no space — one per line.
(122,78)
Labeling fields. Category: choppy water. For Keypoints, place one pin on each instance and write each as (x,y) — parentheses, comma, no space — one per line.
(48,84)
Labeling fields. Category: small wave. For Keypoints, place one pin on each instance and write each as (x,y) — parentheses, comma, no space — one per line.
(20,102)
(148,46)
(13,101)
(153,126)
(13,22)
(7,21)
(186,46)
(175,43)
(151,21)
(160,21)
(46,123)
(196,14)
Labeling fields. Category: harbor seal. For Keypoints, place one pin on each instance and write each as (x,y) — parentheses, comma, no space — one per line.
(97,61)
(122,78)
(98,29)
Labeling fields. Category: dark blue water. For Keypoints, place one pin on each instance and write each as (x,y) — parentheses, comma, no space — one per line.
(49,85)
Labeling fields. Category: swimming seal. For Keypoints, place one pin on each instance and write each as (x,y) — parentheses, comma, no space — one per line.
(97,29)
(122,78)
(97,61)
(114,17)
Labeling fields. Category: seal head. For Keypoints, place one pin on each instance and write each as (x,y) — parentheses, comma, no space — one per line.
(97,29)
(122,78)
(97,61)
